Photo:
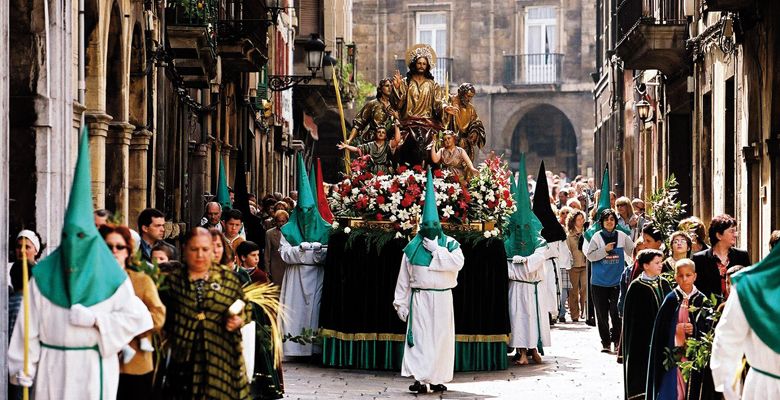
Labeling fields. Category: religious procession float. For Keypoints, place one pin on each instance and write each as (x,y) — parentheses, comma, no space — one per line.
(413,124)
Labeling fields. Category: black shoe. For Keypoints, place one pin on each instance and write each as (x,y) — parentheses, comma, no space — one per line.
(438,388)
(561,319)
(590,322)
(605,348)
(415,387)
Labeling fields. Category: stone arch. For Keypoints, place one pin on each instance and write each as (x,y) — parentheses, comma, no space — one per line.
(545,133)
(115,69)
(137,84)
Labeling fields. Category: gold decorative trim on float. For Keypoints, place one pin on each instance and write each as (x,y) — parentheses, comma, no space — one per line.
(479,226)
(394,337)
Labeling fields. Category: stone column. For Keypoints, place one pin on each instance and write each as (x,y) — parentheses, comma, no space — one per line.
(197,181)
(117,168)
(97,123)
(138,184)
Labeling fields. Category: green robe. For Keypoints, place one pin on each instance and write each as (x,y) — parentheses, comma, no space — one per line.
(643,300)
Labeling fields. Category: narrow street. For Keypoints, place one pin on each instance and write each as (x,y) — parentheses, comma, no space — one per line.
(573,368)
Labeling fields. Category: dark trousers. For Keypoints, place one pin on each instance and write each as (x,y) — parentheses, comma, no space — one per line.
(132,387)
(591,310)
(606,299)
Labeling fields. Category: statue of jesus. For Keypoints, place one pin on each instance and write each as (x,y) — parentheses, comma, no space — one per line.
(421,103)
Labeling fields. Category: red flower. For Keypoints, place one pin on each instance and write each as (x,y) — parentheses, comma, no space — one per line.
(437,173)
(509,203)
(393,188)
(418,168)
(380,200)
(450,190)
(380,173)
(379,216)
(401,169)
(491,204)
(407,201)
(506,195)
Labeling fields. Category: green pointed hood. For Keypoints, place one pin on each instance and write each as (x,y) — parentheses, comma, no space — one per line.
(430,227)
(604,204)
(522,236)
(758,288)
(313,183)
(223,195)
(306,224)
(82,269)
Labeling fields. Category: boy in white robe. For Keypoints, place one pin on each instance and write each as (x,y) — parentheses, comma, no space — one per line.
(749,325)
(303,247)
(526,252)
(83,309)
(423,299)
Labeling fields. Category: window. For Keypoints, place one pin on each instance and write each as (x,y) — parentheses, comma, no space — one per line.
(541,64)
(432,30)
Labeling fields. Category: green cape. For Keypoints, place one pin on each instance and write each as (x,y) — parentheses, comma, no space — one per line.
(223,194)
(82,269)
(758,288)
(306,223)
(604,204)
(522,236)
(430,228)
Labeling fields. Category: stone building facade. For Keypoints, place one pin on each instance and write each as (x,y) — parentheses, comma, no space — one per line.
(706,69)
(530,60)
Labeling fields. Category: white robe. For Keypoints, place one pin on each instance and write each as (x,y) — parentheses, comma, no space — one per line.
(558,257)
(733,338)
(76,374)
(523,309)
(301,295)
(432,358)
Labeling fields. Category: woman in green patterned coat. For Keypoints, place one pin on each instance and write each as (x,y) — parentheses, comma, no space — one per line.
(203,336)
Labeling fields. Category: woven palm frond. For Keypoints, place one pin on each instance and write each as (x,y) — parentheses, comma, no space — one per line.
(266,296)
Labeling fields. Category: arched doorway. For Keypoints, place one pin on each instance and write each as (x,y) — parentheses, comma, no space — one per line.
(545,133)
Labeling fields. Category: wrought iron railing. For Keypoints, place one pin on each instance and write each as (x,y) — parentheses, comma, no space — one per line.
(240,19)
(532,69)
(659,12)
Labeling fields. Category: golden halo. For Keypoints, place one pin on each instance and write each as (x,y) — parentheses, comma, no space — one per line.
(421,50)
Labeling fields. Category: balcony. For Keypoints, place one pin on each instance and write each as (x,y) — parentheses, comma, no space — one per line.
(652,34)
(532,69)
(728,5)
(241,34)
(191,44)
(441,73)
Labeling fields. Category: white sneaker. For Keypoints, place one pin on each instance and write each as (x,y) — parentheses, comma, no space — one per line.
(144,344)
(127,353)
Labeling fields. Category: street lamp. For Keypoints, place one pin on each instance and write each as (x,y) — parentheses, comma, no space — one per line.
(643,110)
(328,63)
(315,50)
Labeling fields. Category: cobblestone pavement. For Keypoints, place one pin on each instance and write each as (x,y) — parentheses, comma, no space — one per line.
(573,368)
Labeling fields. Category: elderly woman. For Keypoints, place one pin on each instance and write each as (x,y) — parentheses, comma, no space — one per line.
(136,365)
(202,333)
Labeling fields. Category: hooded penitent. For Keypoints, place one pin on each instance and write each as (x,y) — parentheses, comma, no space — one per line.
(306,224)
(759,289)
(522,235)
(322,200)
(82,269)
(223,194)
(313,185)
(253,225)
(430,228)
(552,230)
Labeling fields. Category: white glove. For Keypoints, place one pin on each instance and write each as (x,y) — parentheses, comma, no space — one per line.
(304,246)
(127,353)
(145,345)
(316,246)
(518,260)
(23,380)
(402,313)
(431,244)
(82,316)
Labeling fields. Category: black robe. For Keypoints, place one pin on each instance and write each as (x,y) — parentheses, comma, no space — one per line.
(662,382)
(643,299)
